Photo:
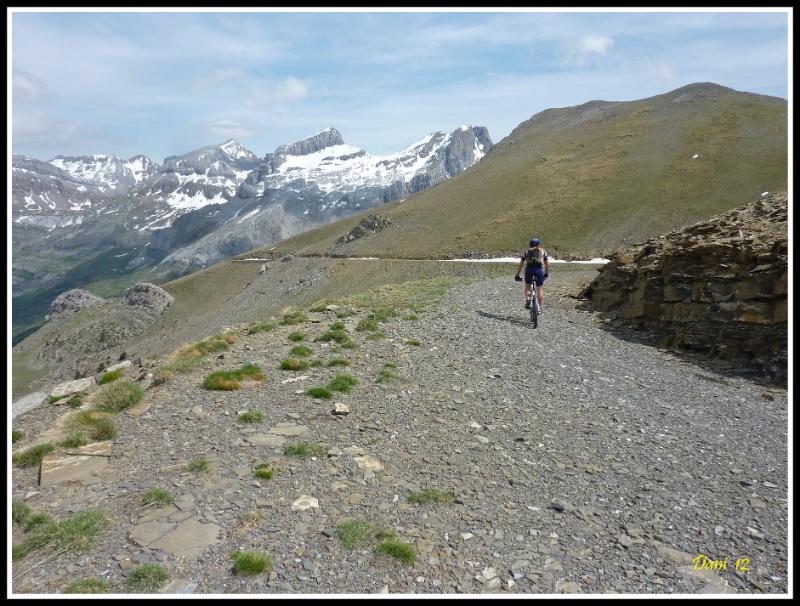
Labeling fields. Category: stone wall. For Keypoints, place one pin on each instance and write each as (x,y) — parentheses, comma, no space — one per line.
(718,287)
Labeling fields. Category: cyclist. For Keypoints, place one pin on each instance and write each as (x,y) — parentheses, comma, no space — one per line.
(537,267)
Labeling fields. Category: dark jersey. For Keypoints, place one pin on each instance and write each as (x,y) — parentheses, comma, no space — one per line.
(534,258)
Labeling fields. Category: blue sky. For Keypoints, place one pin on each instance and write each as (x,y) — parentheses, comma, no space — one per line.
(167,83)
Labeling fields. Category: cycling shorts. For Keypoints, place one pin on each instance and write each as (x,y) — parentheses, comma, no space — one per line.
(534,272)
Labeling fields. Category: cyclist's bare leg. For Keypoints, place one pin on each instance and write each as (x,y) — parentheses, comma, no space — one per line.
(540,295)
(527,293)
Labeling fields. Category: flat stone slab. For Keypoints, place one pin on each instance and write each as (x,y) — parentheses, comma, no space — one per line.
(29,402)
(59,468)
(141,408)
(289,430)
(187,538)
(73,387)
(265,439)
(120,366)
(98,449)
(368,463)
(179,586)
(305,502)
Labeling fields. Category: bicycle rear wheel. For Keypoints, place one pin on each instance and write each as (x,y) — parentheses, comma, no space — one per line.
(534,311)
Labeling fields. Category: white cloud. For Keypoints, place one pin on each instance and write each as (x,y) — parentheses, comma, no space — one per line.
(230,129)
(26,86)
(594,44)
(290,89)
(218,76)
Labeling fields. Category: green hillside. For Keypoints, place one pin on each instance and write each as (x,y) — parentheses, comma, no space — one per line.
(588,179)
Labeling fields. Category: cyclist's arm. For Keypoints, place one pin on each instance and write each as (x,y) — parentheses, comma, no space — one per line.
(547,264)
(519,266)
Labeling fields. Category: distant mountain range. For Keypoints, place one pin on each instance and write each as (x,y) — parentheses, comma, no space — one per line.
(104,221)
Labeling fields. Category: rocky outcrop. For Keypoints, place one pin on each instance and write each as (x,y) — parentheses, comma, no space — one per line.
(370,225)
(718,287)
(148,295)
(75,300)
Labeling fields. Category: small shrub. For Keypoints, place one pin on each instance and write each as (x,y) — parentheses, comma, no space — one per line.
(431,495)
(75,440)
(117,397)
(33,455)
(399,550)
(375,336)
(16,436)
(88,586)
(343,383)
(262,327)
(294,317)
(110,376)
(250,562)
(292,364)
(300,350)
(157,496)
(197,465)
(251,416)
(345,313)
(413,342)
(146,578)
(338,362)
(296,336)
(264,471)
(319,392)
(353,533)
(304,450)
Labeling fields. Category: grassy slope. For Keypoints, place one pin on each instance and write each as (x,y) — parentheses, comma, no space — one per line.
(588,188)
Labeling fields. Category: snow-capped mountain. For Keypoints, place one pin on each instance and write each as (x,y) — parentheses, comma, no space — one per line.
(220,200)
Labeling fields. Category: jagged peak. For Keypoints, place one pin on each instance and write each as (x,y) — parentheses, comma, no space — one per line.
(325,138)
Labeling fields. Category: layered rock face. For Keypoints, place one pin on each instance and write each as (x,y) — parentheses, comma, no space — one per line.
(719,286)
(74,300)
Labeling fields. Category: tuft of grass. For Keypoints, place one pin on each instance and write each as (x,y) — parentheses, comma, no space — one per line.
(338,362)
(304,450)
(250,562)
(294,317)
(251,416)
(157,496)
(410,317)
(292,364)
(354,533)
(54,399)
(182,365)
(431,495)
(74,402)
(88,586)
(110,376)
(368,323)
(413,342)
(264,471)
(16,436)
(399,550)
(345,313)
(315,363)
(99,425)
(117,397)
(262,327)
(33,455)
(375,336)
(76,533)
(318,307)
(197,465)
(319,392)
(296,336)
(161,375)
(146,578)
(343,383)
(300,350)
(338,336)
(337,326)
(74,440)
(19,512)
(387,374)
(385,533)
(228,380)
(390,365)
(36,519)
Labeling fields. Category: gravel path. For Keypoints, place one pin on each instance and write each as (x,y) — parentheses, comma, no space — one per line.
(579,462)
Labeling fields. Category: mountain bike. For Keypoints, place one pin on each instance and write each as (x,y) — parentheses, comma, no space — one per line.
(534,306)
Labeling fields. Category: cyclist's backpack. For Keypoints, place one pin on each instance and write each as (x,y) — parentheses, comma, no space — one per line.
(534,257)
